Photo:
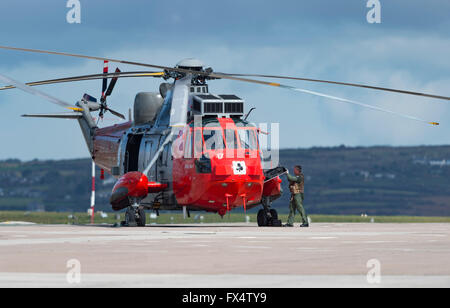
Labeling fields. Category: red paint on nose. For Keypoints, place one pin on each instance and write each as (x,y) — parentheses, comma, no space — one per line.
(135,182)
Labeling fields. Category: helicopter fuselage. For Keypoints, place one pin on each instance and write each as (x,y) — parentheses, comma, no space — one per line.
(214,165)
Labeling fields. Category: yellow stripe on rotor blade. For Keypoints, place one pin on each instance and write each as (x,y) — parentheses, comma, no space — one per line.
(434,123)
(149,74)
(75,109)
(274,84)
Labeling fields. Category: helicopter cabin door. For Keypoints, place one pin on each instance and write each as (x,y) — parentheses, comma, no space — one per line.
(131,161)
(163,168)
(150,149)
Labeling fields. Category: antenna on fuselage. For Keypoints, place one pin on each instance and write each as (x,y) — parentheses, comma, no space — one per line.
(245,119)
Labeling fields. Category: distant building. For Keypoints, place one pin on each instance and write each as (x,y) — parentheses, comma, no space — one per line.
(434,163)
(440,163)
(389,176)
(420,162)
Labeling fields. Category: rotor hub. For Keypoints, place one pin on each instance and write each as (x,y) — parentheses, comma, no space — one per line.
(190,64)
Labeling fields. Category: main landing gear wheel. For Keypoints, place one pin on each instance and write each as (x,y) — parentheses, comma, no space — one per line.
(141,219)
(262,218)
(268,217)
(274,214)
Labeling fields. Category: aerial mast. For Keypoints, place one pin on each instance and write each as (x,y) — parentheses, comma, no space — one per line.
(93,192)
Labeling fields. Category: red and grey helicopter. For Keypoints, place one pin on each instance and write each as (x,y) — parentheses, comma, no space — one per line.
(186,148)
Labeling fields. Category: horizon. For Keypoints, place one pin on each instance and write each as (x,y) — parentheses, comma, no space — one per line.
(283,149)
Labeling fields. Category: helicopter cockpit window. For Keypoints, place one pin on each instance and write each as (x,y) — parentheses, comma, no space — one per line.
(213,139)
(198,143)
(188,145)
(248,139)
(230,136)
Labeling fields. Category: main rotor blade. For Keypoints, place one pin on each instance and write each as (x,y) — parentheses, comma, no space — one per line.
(136,74)
(364,105)
(345,84)
(91,77)
(180,70)
(344,100)
(30,90)
(207,74)
(274,84)
(96,58)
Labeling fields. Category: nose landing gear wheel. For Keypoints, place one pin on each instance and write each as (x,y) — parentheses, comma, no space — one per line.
(141,219)
(134,217)
(267,218)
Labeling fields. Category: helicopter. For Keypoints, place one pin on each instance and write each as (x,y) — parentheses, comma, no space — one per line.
(186,148)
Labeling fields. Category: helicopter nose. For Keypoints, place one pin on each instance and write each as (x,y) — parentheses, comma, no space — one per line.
(232,194)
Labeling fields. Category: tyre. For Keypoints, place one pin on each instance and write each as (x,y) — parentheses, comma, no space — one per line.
(141,220)
(274,214)
(262,219)
(130,217)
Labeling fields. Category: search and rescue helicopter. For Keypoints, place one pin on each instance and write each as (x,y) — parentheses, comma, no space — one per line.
(186,148)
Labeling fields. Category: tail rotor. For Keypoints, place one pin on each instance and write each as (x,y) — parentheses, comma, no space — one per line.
(106,91)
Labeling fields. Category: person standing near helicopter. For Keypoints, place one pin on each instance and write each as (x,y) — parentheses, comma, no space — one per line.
(296,186)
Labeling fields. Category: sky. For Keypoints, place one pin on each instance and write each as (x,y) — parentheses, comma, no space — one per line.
(322,39)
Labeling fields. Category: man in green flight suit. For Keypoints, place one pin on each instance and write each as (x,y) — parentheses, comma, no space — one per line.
(296,186)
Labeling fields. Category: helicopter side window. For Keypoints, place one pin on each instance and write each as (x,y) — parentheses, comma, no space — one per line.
(213,139)
(247,139)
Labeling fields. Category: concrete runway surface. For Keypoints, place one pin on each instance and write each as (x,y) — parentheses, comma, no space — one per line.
(227,255)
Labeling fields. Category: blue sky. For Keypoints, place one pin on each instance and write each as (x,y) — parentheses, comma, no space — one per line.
(324,39)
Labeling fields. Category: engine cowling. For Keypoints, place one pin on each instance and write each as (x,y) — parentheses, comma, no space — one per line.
(146,107)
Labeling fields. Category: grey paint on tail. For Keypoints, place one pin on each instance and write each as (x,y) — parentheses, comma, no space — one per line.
(87,125)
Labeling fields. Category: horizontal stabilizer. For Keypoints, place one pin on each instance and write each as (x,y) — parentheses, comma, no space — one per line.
(66,115)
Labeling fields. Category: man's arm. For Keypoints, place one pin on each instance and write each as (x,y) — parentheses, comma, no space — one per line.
(292,178)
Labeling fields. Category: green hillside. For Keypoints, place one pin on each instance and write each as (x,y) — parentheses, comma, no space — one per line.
(412,181)
(376,181)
